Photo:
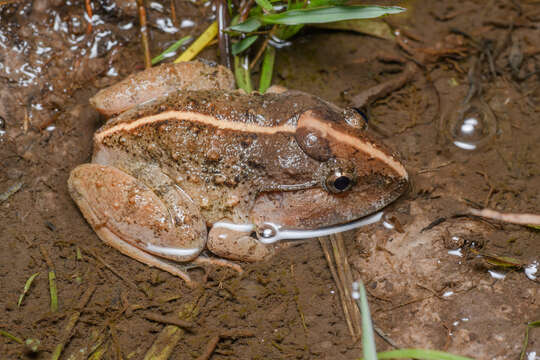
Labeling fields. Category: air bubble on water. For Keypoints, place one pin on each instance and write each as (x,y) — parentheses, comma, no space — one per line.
(448,293)
(471,126)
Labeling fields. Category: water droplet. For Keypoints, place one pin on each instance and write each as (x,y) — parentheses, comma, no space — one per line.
(471,126)
(496,275)
(531,270)
(455,252)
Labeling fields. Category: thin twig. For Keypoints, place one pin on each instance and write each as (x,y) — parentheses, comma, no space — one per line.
(521,219)
(169,320)
(223,20)
(88,7)
(344,270)
(72,321)
(113,270)
(262,48)
(144,34)
(212,344)
(326,249)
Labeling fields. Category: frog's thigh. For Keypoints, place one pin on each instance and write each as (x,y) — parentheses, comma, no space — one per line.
(116,203)
(236,245)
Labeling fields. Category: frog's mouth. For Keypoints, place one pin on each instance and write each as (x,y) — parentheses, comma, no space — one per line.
(269,233)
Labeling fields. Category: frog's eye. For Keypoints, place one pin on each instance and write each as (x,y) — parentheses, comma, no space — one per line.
(339,182)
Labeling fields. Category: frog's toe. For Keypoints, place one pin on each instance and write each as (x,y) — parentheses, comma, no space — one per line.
(113,200)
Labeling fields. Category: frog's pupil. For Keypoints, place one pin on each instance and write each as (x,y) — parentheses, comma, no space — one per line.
(342,183)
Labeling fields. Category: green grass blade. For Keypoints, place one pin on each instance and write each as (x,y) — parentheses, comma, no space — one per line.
(170,49)
(267,69)
(329,14)
(249,25)
(420,354)
(243,44)
(530,325)
(11,337)
(53,291)
(241,73)
(265,4)
(26,288)
(368,340)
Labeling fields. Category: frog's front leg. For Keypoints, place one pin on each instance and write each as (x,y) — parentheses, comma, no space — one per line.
(147,222)
(235,242)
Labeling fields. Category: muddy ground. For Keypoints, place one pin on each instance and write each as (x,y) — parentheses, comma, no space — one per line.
(427,286)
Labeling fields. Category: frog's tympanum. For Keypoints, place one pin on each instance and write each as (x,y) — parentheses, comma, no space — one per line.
(207,166)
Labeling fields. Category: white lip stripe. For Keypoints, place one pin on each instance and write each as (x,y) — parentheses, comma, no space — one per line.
(326,129)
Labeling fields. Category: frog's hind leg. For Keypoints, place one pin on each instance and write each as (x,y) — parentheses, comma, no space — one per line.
(141,221)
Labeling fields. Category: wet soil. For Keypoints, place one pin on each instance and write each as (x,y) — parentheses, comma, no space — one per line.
(427,285)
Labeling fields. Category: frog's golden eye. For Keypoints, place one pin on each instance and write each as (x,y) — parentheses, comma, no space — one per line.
(339,182)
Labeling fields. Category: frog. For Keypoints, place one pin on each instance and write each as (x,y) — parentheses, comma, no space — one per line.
(181,172)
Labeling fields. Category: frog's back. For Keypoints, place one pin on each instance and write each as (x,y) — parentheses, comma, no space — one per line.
(268,110)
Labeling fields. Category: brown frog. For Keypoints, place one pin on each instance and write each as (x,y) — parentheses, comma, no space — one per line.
(211,167)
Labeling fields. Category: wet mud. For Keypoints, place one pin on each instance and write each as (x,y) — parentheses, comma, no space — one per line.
(465,120)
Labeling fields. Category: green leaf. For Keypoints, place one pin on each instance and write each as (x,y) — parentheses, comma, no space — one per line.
(375,28)
(329,14)
(267,69)
(249,25)
(265,4)
(319,3)
(170,49)
(243,44)
(420,354)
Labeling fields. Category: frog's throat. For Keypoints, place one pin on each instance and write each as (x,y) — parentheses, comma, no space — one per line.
(270,233)
(326,130)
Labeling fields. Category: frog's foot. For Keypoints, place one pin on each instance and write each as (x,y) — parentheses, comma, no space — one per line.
(131,217)
(125,248)
(236,244)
